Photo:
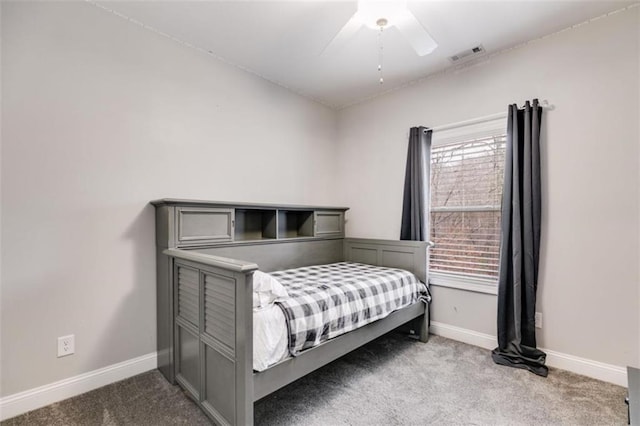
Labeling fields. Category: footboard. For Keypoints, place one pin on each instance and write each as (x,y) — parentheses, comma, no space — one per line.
(408,255)
(213,333)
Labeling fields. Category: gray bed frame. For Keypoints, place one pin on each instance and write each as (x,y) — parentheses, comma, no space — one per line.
(205,316)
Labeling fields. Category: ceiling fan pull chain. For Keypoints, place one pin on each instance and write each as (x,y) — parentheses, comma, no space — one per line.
(380,53)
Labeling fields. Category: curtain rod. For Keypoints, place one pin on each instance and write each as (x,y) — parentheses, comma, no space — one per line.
(469,122)
(543,104)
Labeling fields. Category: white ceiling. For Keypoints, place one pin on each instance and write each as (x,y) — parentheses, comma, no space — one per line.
(282,40)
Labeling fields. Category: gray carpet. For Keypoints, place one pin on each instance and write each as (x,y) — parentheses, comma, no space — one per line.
(391,381)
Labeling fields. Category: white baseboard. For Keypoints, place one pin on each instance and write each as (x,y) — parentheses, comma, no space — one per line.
(20,403)
(464,335)
(586,367)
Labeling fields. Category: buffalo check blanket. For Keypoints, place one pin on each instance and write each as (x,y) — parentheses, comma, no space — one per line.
(326,301)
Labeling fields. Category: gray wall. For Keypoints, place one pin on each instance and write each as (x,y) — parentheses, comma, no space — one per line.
(589,277)
(100,116)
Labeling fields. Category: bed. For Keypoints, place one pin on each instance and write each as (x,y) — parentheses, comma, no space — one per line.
(206,300)
(298,309)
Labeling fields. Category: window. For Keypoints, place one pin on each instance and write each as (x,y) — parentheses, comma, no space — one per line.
(467,174)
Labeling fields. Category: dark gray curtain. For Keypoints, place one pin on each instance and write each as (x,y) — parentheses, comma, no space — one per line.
(520,243)
(415,205)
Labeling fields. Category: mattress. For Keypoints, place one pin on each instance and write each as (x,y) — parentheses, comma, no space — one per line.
(326,301)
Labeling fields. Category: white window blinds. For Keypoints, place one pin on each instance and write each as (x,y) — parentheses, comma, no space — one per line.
(467,173)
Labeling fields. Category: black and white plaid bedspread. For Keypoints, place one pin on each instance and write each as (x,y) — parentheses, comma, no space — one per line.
(329,300)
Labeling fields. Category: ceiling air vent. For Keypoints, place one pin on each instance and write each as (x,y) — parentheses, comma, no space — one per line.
(465,55)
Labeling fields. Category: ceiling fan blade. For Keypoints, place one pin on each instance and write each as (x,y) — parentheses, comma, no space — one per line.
(416,34)
(349,29)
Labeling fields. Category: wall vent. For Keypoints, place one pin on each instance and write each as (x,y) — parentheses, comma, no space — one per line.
(468,54)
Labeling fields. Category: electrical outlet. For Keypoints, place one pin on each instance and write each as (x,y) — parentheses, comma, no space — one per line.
(66,345)
(538,318)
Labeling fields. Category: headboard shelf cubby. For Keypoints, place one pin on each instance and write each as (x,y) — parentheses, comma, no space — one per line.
(255,224)
(295,223)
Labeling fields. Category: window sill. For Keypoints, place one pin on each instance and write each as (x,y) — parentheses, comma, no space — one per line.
(462,282)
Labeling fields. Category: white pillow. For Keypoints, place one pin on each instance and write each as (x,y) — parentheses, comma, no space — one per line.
(266,289)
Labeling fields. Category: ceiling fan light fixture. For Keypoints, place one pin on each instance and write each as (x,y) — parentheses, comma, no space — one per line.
(380,15)
(371,11)
(382,22)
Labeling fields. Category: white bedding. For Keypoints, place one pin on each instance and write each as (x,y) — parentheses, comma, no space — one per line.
(270,337)
(266,290)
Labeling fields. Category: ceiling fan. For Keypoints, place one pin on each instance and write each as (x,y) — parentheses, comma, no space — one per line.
(383,14)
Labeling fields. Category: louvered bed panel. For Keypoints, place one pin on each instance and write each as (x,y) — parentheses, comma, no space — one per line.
(213,341)
(187,329)
(219,338)
(219,310)
(188,294)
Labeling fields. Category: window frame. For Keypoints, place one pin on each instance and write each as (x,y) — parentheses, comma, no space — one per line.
(491,126)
